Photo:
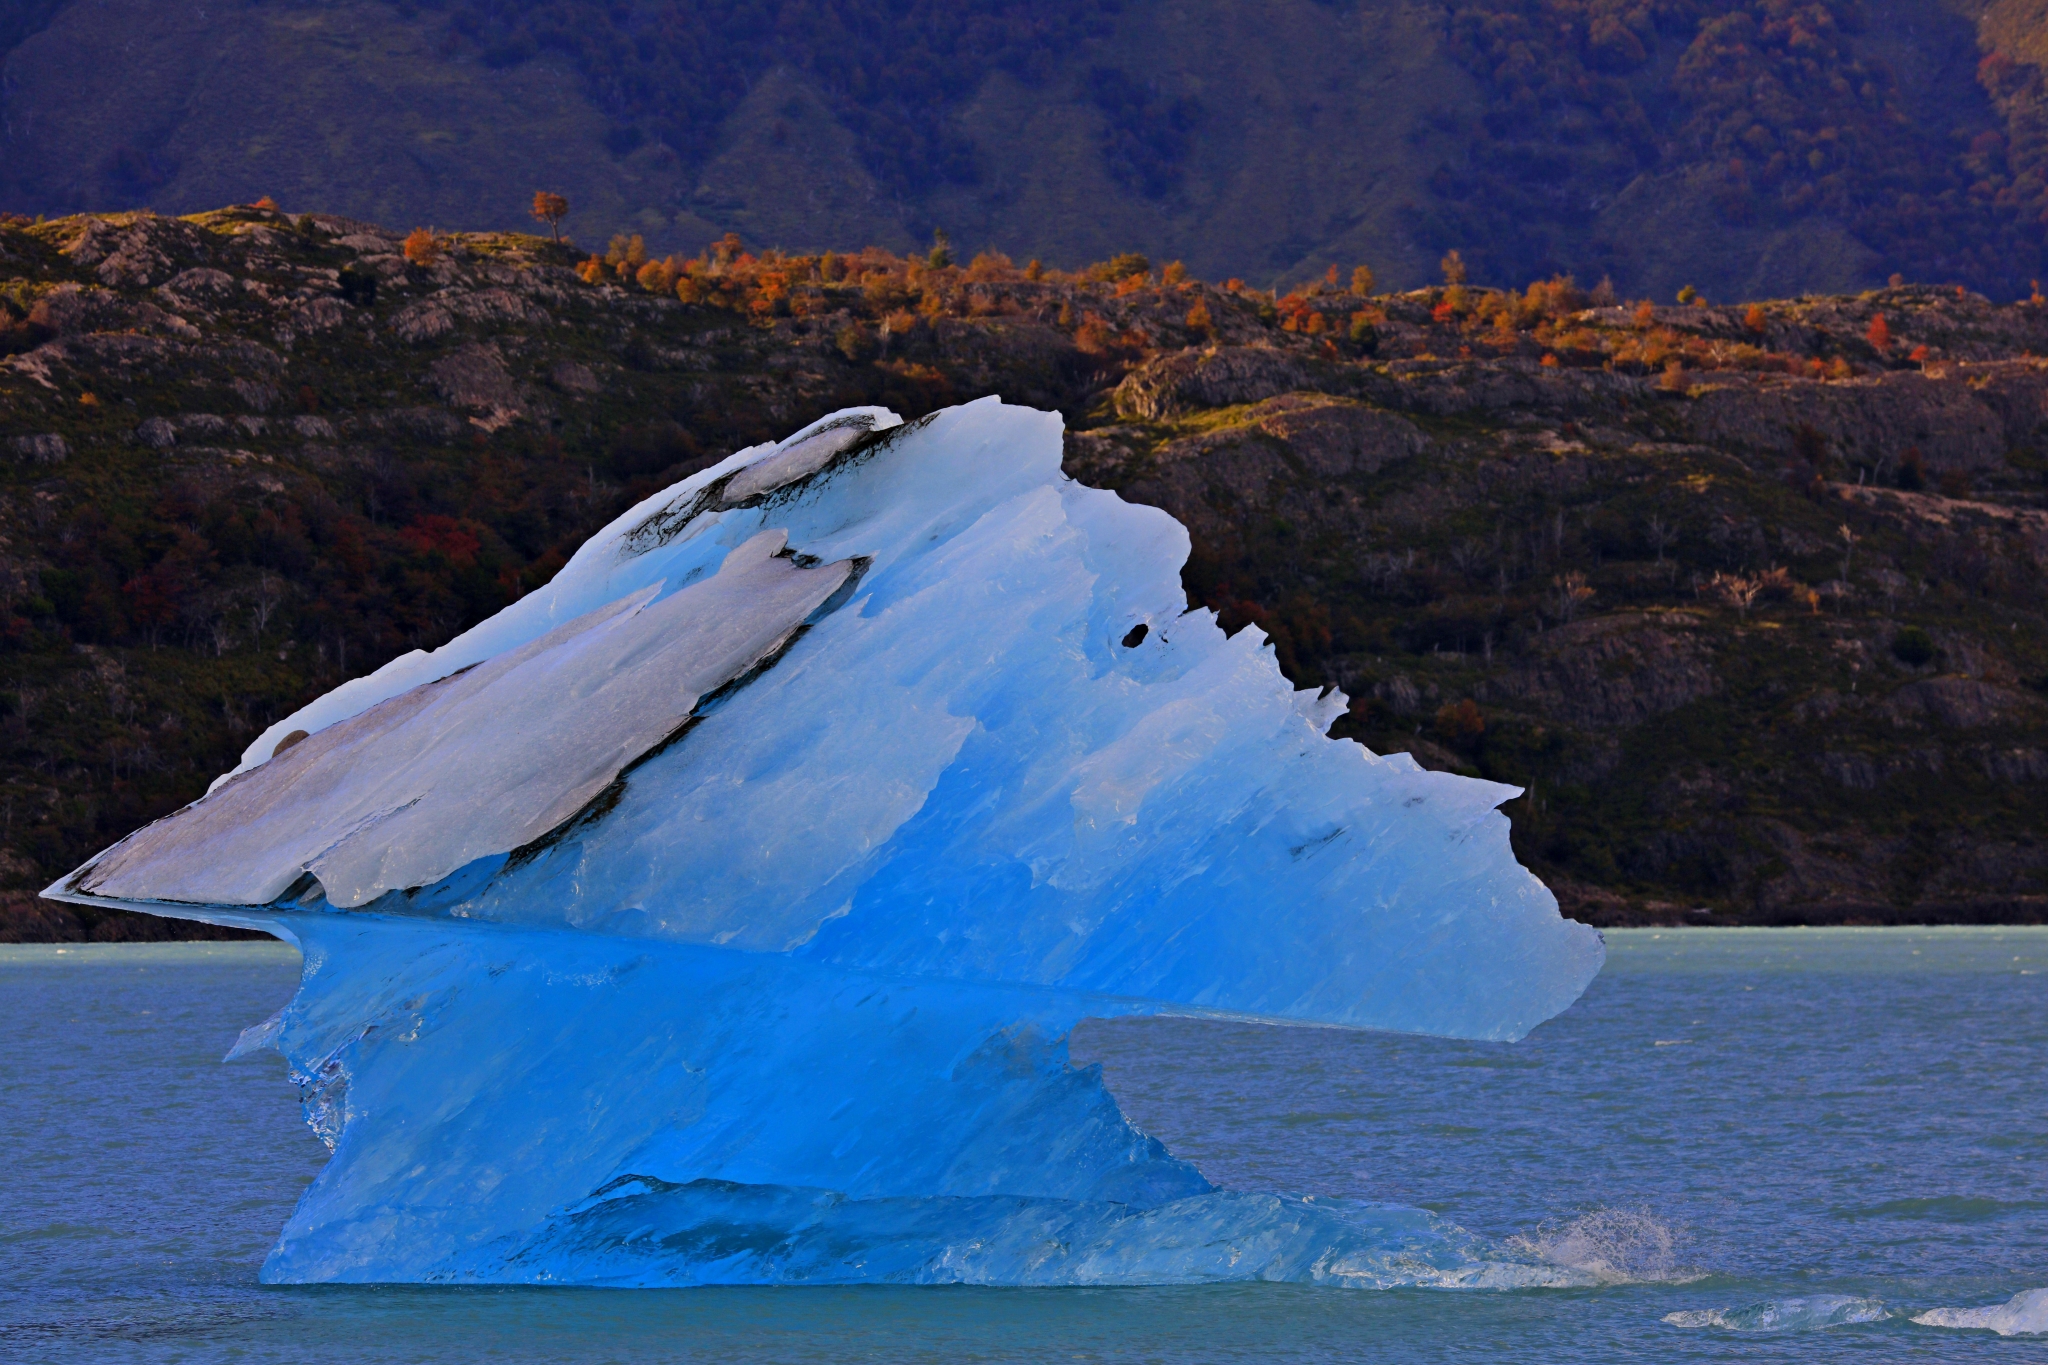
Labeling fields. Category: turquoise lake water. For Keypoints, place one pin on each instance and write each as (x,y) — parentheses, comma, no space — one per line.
(1729,1118)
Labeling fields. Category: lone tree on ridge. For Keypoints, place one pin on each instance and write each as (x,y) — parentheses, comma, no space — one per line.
(550,209)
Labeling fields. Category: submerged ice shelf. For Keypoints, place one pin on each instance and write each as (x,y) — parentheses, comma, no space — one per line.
(719,912)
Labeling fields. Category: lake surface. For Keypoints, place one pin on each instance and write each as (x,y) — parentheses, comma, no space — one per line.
(1728,1118)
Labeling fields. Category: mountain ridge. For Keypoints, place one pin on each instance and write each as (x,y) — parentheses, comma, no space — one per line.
(1752,148)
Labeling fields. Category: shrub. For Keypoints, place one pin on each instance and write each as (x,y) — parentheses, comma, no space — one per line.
(1119,267)
(1460,722)
(1364,335)
(422,247)
(626,255)
(1810,444)
(1913,647)
(856,343)
(358,286)
(1912,470)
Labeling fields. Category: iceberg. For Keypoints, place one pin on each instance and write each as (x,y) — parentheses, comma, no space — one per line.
(1806,1314)
(2024,1314)
(719,912)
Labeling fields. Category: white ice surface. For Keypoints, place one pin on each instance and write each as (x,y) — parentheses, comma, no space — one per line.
(2024,1314)
(484,762)
(608,567)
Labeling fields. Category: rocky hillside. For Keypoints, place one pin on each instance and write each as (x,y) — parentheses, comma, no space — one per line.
(1750,600)
(1752,148)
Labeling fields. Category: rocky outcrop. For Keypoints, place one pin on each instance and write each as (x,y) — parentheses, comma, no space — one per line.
(1187,381)
(47,448)
(1615,672)
(137,250)
(475,376)
(1960,417)
(1286,444)
(1957,703)
(1334,439)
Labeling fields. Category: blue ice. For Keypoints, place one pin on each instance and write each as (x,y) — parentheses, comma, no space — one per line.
(719,912)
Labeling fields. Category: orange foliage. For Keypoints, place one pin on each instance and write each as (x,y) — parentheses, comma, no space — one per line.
(550,209)
(1460,721)
(422,247)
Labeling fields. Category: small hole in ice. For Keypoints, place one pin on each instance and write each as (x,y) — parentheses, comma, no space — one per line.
(1136,636)
(293,738)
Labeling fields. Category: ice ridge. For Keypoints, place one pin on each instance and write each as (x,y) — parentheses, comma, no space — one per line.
(2024,1314)
(719,912)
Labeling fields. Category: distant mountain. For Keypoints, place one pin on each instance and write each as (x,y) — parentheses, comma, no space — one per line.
(1749,147)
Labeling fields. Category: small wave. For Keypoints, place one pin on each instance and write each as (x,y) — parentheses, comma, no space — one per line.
(2024,1314)
(1948,1208)
(1611,1246)
(1808,1314)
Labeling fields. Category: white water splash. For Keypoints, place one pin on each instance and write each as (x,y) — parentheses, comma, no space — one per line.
(1611,1246)
(1808,1314)
(2024,1314)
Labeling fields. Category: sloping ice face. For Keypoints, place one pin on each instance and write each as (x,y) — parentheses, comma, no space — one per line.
(719,912)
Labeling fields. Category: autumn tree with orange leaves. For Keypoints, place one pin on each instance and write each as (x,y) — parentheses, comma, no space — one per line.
(422,247)
(550,209)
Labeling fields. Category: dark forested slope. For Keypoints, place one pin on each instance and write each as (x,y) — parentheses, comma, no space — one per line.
(1753,148)
(1750,599)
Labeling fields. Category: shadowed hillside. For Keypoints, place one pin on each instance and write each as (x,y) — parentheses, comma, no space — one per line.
(1753,148)
(1749,599)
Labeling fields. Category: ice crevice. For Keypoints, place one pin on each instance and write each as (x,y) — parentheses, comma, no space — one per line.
(719,912)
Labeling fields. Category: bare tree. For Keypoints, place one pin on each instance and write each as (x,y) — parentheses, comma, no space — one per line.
(269,593)
(1661,535)
(1737,591)
(1568,593)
